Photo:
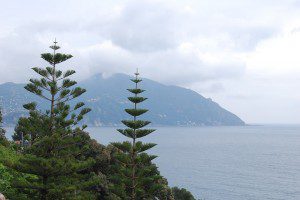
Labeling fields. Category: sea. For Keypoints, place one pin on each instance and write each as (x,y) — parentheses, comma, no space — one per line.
(259,162)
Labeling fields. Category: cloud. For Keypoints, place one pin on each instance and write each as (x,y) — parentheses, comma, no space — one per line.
(147,26)
(172,66)
(153,35)
(234,51)
(17,55)
(278,55)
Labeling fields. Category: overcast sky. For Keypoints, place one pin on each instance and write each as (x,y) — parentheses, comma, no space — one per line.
(244,54)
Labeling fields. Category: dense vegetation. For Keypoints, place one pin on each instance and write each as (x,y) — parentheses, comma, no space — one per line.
(182,194)
(53,157)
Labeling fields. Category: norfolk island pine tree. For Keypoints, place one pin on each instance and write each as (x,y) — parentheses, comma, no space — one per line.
(55,156)
(136,176)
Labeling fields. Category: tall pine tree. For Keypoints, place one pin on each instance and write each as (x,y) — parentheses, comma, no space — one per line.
(136,176)
(56,157)
(60,90)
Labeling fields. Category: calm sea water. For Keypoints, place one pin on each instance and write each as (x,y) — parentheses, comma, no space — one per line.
(226,163)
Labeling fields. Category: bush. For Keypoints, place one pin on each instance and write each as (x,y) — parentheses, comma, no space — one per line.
(182,194)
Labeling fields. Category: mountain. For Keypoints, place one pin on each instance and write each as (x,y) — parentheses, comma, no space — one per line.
(169,105)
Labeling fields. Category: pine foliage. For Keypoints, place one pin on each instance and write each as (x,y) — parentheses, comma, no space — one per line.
(55,155)
(136,177)
(56,87)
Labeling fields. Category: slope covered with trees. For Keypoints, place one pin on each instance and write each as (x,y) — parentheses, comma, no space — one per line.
(170,105)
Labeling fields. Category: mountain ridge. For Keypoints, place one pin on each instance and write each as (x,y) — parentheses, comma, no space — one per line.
(168,104)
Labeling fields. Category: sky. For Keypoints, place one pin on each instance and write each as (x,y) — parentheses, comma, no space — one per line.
(244,54)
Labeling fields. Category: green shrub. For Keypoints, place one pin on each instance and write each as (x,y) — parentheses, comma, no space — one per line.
(182,194)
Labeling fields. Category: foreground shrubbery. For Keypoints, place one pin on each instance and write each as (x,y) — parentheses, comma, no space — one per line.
(8,176)
(56,159)
(182,194)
